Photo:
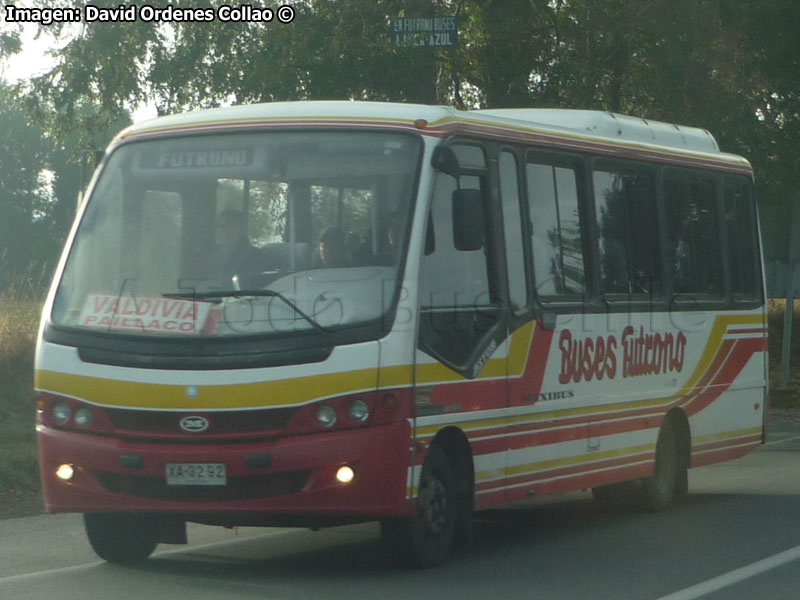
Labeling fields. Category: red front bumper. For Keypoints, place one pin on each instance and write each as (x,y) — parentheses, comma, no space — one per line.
(299,479)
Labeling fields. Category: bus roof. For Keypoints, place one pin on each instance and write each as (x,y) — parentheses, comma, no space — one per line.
(583,128)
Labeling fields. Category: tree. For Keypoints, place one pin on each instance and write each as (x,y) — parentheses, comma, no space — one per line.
(729,67)
(22,187)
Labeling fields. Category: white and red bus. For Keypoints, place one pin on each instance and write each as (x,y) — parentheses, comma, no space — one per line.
(318,313)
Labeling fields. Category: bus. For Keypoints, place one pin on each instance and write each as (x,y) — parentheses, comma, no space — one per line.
(321,313)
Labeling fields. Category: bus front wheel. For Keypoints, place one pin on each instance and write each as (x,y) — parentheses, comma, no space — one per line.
(425,539)
(120,538)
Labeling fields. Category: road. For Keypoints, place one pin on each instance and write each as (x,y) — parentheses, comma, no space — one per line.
(737,535)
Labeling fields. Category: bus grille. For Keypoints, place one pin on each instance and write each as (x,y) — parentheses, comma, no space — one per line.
(237,488)
(243,421)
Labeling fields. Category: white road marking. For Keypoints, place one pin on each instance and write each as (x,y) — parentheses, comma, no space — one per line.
(184,549)
(783,441)
(737,575)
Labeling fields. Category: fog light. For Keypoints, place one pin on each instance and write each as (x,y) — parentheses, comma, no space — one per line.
(83,417)
(65,472)
(326,416)
(358,411)
(61,413)
(344,474)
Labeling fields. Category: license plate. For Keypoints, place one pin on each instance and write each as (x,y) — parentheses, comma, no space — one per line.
(196,474)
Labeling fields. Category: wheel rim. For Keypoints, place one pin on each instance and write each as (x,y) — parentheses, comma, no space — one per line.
(433,505)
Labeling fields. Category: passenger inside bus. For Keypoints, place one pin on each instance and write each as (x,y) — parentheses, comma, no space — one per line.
(332,249)
(233,253)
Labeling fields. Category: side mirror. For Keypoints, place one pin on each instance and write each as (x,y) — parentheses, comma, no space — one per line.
(468,228)
(445,160)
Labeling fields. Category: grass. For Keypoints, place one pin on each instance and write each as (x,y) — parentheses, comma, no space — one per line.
(20,306)
(783,396)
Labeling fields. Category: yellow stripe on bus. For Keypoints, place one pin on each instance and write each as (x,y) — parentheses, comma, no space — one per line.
(286,392)
(726,435)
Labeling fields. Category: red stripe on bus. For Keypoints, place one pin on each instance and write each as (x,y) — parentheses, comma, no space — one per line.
(565,471)
(707,458)
(748,439)
(736,360)
(578,482)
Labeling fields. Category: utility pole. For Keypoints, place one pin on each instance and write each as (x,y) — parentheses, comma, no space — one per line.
(794,251)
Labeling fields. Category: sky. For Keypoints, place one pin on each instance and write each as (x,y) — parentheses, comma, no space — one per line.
(33,61)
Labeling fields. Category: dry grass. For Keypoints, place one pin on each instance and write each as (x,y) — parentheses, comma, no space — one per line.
(20,306)
(783,396)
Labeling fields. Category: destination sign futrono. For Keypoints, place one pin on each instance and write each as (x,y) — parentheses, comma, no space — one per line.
(425,32)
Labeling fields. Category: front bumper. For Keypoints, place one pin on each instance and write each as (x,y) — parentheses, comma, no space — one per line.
(290,476)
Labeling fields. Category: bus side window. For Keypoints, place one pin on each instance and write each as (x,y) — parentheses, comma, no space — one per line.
(458,317)
(512,227)
(451,277)
(742,249)
(625,208)
(693,245)
(556,230)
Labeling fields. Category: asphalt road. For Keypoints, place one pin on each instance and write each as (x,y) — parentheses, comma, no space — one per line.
(737,535)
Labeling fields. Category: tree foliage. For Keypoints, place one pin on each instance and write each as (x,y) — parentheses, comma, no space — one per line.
(23,197)
(730,67)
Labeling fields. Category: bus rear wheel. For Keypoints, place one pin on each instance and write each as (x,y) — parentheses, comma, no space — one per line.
(120,538)
(425,539)
(658,490)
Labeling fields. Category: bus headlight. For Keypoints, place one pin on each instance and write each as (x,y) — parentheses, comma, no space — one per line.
(65,472)
(345,474)
(358,411)
(83,417)
(326,416)
(61,413)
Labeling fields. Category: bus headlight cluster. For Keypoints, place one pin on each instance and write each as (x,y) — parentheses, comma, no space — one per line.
(62,414)
(326,416)
(356,411)
(83,417)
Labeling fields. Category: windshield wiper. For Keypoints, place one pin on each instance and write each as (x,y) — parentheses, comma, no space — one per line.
(218,294)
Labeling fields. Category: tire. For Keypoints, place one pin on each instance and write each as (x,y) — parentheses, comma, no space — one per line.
(658,490)
(425,539)
(120,538)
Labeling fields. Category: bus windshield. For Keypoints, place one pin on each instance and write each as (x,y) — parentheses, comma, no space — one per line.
(242,234)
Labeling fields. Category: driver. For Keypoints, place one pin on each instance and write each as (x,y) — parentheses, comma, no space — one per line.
(233,253)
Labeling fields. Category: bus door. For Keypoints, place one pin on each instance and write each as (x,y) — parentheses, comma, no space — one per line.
(550,431)
(462,350)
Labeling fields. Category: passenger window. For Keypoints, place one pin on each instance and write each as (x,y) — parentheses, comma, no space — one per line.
(512,226)
(625,208)
(347,208)
(264,203)
(556,229)
(694,251)
(160,243)
(268,212)
(451,277)
(459,322)
(740,227)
